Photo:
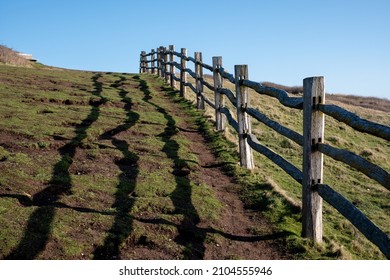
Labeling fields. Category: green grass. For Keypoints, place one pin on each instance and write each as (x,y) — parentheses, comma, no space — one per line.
(87,159)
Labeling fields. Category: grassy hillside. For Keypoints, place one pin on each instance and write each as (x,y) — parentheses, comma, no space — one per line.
(98,165)
(111,166)
(72,178)
(275,189)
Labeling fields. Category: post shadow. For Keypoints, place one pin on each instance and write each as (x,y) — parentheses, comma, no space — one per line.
(190,236)
(38,229)
(123,221)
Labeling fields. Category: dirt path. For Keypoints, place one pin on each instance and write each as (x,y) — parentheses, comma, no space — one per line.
(235,224)
(241,233)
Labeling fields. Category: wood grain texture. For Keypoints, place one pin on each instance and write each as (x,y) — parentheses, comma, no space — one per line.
(183,73)
(368,168)
(355,121)
(198,81)
(172,70)
(230,118)
(227,75)
(152,61)
(281,95)
(313,132)
(243,119)
(220,122)
(229,94)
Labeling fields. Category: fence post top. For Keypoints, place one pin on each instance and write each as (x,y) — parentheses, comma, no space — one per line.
(217,61)
(241,71)
(314,78)
(198,55)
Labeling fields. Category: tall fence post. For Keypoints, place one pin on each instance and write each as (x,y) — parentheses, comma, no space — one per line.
(142,62)
(166,73)
(220,122)
(152,62)
(172,67)
(198,81)
(244,124)
(183,73)
(159,63)
(313,133)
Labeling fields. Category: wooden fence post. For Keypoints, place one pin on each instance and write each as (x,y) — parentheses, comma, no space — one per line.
(244,124)
(159,61)
(172,67)
(152,62)
(198,81)
(220,122)
(142,62)
(183,73)
(147,70)
(313,133)
(166,73)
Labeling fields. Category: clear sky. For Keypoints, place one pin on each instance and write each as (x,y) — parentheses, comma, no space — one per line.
(282,41)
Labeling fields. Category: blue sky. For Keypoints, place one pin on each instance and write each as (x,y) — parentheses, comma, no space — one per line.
(282,41)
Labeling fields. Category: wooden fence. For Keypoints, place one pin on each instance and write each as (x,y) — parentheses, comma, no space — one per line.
(162,62)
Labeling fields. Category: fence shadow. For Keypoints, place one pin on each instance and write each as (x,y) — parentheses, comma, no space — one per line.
(38,229)
(190,236)
(128,164)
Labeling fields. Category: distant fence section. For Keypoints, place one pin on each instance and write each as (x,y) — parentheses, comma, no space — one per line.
(163,63)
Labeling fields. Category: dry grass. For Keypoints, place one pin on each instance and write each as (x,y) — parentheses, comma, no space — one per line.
(380,104)
(292,90)
(11,57)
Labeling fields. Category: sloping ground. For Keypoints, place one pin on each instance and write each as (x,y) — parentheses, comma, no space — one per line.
(112,166)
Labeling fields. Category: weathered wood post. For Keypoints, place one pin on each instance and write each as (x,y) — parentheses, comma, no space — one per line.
(172,67)
(220,122)
(166,73)
(142,62)
(183,73)
(152,65)
(159,61)
(313,133)
(198,81)
(163,65)
(146,63)
(244,124)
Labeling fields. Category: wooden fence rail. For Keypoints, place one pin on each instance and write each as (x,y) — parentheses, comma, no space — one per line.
(162,61)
